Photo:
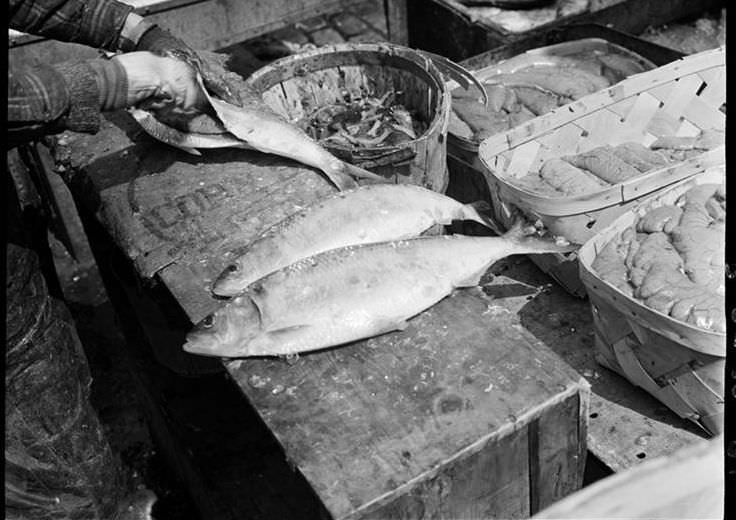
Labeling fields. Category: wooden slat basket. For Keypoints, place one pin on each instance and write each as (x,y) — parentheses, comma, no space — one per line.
(681,98)
(467,149)
(296,85)
(680,364)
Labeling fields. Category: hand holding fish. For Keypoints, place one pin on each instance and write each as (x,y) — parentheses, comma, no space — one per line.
(209,65)
(159,81)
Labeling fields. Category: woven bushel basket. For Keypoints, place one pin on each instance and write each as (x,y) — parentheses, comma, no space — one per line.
(683,366)
(681,98)
(295,86)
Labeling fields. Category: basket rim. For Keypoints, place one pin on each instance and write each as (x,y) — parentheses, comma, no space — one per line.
(522,59)
(629,87)
(491,147)
(442,113)
(620,193)
(589,251)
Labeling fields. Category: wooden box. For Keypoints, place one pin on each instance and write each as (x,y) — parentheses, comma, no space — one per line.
(457,31)
(462,415)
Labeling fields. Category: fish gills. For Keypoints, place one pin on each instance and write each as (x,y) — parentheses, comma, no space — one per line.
(352,293)
(375,213)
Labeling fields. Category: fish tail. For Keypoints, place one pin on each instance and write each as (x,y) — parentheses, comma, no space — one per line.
(526,240)
(474,210)
(339,178)
(532,245)
(361,173)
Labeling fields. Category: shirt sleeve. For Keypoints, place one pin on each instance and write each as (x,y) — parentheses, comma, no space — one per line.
(47,99)
(96,23)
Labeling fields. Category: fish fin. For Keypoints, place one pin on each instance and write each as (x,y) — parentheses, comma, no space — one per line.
(459,73)
(340,178)
(286,330)
(361,173)
(187,149)
(473,211)
(472,280)
(401,325)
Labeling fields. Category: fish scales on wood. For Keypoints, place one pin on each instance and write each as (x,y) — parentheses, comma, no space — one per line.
(375,213)
(352,293)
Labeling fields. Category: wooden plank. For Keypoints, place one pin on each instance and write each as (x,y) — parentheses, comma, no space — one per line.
(396,21)
(373,420)
(460,32)
(688,484)
(560,463)
(219,23)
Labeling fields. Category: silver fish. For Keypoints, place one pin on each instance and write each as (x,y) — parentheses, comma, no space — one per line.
(352,293)
(264,130)
(375,213)
(187,141)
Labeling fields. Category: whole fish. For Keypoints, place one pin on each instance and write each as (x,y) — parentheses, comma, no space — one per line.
(187,141)
(374,213)
(352,293)
(262,129)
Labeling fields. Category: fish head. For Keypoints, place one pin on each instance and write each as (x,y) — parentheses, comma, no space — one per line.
(228,332)
(229,282)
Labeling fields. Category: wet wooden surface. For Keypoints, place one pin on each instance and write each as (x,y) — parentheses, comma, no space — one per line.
(627,426)
(453,391)
(463,414)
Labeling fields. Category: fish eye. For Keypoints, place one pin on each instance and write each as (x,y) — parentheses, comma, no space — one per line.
(232,268)
(208,321)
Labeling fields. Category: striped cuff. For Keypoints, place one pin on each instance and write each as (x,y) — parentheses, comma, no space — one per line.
(84,97)
(135,27)
(112,83)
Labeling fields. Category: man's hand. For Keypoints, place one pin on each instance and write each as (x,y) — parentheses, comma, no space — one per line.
(161,81)
(163,43)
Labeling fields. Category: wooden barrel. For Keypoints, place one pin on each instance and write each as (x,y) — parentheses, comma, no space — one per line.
(297,85)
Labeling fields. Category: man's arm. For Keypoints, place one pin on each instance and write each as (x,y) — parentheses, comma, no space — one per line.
(97,23)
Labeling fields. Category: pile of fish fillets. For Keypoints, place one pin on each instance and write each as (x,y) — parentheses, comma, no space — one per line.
(605,166)
(350,267)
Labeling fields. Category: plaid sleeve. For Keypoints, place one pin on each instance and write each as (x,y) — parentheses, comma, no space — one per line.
(53,98)
(96,23)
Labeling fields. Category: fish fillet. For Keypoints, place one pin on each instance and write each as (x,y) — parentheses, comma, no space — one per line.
(352,293)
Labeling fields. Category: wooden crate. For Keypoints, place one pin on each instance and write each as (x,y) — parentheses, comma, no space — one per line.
(459,32)
(689,483)
(203,24)
(461,415)
(681,365)
(681,98)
